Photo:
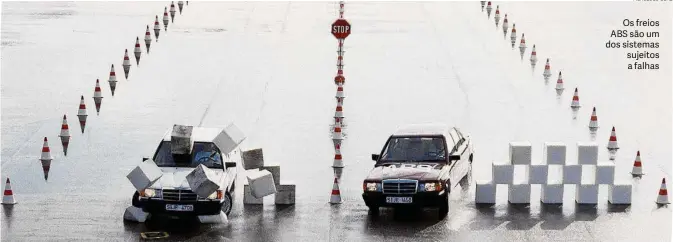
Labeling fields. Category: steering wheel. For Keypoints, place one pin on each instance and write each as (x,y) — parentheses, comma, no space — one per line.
(207,158)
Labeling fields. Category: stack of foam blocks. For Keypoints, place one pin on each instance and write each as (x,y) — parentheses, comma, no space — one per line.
(552,174)
(263,180)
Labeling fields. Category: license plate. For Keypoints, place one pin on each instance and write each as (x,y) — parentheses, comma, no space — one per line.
(398,200)
(179,207)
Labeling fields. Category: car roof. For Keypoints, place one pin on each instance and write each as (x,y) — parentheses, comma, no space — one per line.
(423,129)
(199,134)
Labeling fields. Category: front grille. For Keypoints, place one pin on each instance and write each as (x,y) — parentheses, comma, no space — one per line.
(399,186)
(179,195)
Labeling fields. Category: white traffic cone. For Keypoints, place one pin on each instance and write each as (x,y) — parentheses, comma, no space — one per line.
(165,19)
(97,97)
(513,35)
(497,16)
(488,9)
(522,45)
(157,27)
(65,135)
(81,114)
(338,162)
(8,195)
(637,170)
(662,199)
(593,121)
(559,82)
(576,100)
(335,198)
(126,64)
(612,143)
(533,56)
(137,51)
(172,10)
(46,158)
(337,136)
(547,70)
(112,80)
(180,4)
(148,39)
(505,25)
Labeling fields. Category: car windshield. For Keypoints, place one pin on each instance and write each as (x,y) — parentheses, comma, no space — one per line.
(202,153)
(414,149)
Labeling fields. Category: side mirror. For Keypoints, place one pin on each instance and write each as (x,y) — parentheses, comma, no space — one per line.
(375,157)
(228,165)
(454,157)
(145,158)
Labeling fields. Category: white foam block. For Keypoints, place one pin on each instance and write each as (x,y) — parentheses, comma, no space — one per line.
(555,153)
(586,194)
(202,181)
(605,173)
(619,193)
(275,172)
(552,194)
(538,174)
(181,139)
(135,214)
(144,175)
(587,153)
(588,174)
(248,198)
(519,194)
(261,183)
(214,219)
(520,153)
(253,159)
(572,174)
(555,174)
(485,193)
(503,173)
(229,138)
(285,193)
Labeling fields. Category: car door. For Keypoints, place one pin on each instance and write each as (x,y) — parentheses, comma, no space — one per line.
(459,168)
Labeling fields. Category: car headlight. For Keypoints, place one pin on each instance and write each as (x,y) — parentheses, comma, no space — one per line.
(372,186)
(151,193)
(215,195)
(432,186)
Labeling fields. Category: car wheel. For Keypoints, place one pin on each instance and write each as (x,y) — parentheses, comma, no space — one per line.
(444,206)
(135,201)
(227,203)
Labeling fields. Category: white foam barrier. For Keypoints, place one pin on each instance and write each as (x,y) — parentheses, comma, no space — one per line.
(248,198)
(285,193)
(519,194)
(274,169)
(181,139)
(135,214)
(587,153)
(605,173)
(485,193)
(552,193)
(214,219)
(253,159)
(572,174)
(503,173)
(202,181)
(538,174)
(520,153)
(261,183)
(555,153)
(619,193)
(586,194)
(144,175)
(229,138)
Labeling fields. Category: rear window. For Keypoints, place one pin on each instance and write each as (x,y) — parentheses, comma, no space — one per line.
(414,149)
(203,153)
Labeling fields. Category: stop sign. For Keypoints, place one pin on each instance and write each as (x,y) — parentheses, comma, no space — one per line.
(341,28)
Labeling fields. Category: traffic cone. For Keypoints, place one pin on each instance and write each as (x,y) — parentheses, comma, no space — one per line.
(172,12)
(488,9)
(482,5)
(126,64)
(148,39)
(637,166)
(338,162)
(612,143)
(157,27)
(547,70)
(340,93)
(513,35)
(593,122)
(533,56)
(338,114)
(165,19)
(340,62)
(46,158)
(65,135)
(559,81)
(576,100)
(187,3)
(339,80)
(497,16)
(81,114)
(137,51)
(112,80)
(522,45)
(97,97)
(662,199)
(8,195)
(335,198)
(337,136)
(505,25)
(180,4)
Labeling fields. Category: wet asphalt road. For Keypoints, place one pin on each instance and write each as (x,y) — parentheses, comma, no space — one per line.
(268,67)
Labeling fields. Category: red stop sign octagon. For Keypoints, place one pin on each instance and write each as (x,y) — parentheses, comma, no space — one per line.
(341,29)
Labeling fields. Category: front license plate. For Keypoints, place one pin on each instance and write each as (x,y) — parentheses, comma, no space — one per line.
(179,207)
(398,200)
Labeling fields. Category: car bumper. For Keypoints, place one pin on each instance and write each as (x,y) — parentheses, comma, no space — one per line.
(200,207)
(421,199)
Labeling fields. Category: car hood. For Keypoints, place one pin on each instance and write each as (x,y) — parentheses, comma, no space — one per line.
(414,171)
(175,177)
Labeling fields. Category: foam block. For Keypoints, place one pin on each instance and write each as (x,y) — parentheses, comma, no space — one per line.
(519,194)
(285,193)
(520,153)
(135,214)
(619,193)
(587,153)
(144,175)
(586,194)
(229,139)
(248,198)
(605,173)
(538,174)
(572,174)
(181,139)
(555,153)
(503,173)
(588,174)
(202,181)
(275,172)
(552,194)
(214,219)
(253,159)
(485,193)
(261,183)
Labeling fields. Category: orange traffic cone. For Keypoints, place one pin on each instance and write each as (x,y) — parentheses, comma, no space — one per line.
(81,113)
(637,166)
(65,135)
(157,27)
(662,199)
(338,162)
(172,12)
(46,158)
(559,82)
(593,122)
(180,4)
(137,51)
(8,195)
(165,19)
(612,143)
(97,97)
(533,56)
(488,9)
(335,198)
(505,25)
(576,100)
(497,16)
(337,137)
(113,80)
(148,39)
(547,70)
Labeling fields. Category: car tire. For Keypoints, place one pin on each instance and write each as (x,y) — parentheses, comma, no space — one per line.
(227,203)
(135,201)
(444,206)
